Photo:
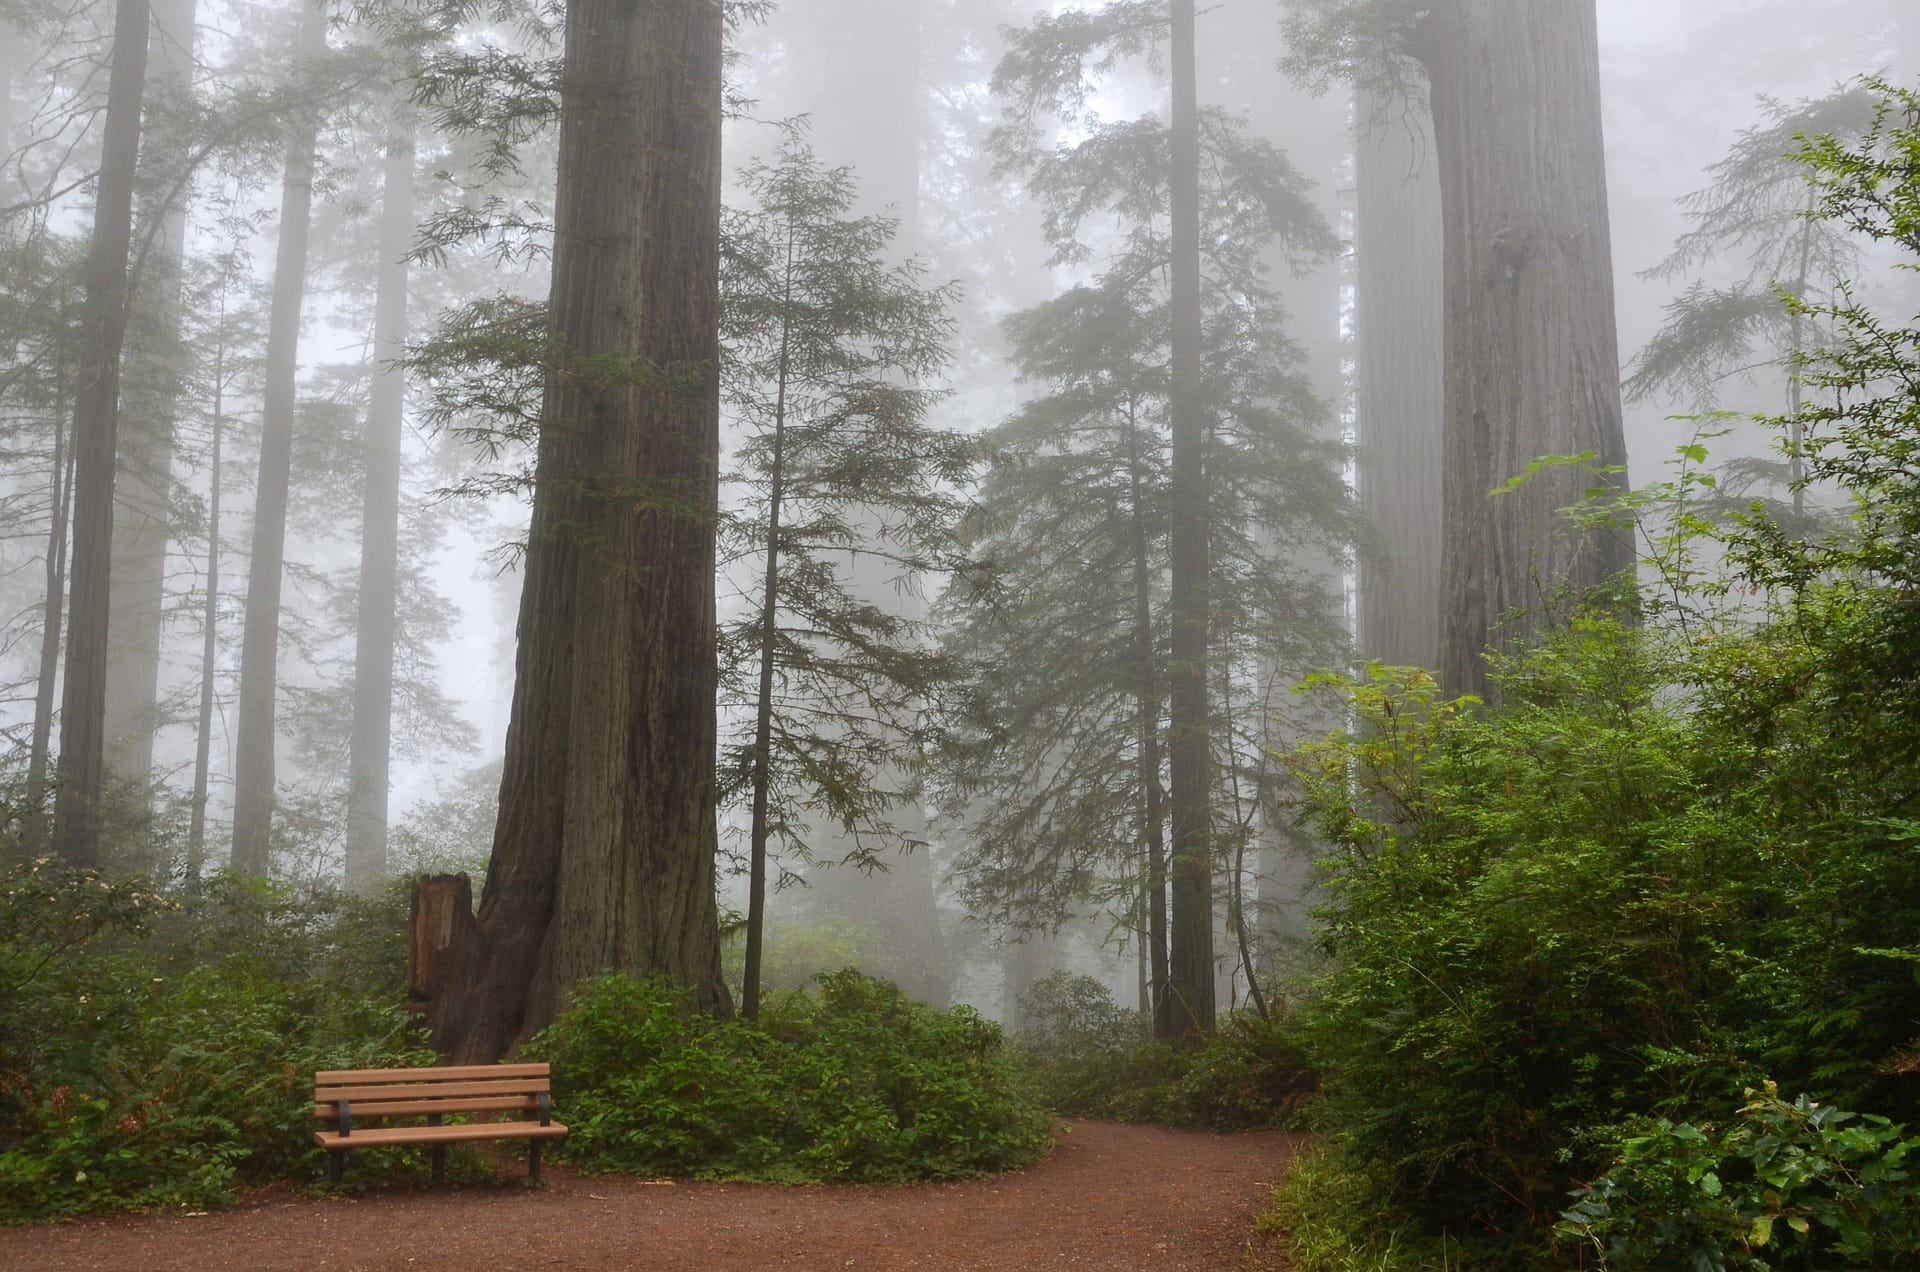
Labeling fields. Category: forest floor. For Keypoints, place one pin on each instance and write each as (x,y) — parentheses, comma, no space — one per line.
(1109,1197)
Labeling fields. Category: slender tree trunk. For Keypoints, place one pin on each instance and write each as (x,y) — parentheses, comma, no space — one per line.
(1190,940)
(10,43)
(1153,814)
(143,502)
(82,765)
(1796,351)
(60,500)
(253,792)
(1532,359)
(604,853)
(763,706)
(210,617)
(369,753)
(1399,321)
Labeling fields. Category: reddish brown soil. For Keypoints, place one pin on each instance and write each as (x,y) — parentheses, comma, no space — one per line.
(1109,1197)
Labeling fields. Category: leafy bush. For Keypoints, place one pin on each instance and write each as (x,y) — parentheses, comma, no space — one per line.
(852,1082)
(1085,1056)
(1786,1186)
(122,1088)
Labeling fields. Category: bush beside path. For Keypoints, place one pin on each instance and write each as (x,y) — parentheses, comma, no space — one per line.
(1109,1197)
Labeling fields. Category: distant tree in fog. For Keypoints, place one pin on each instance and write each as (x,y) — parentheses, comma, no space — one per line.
(1532,362)
(1172,406)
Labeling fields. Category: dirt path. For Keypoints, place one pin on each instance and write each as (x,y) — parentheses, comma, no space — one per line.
(1110,1197)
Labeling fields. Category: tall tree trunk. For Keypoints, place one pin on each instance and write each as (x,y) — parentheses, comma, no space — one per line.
(210,617)
(1153,813)
(82,766)
(10,43)
(1399,320)
(60,501)
(1190,939)
(763,703)
(1532,359)
(369,752)
(253,778)
(604,852)
(142,522)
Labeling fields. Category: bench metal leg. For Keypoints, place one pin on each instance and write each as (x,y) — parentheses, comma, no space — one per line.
(439,1163)
(334,1165)
(533,1161)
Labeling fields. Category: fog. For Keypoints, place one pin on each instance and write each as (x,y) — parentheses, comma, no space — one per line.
(924,880)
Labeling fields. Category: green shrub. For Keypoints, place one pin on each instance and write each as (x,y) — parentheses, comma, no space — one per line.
(1787,1186)
(1327,1217)
(122,1088)
(851,1082)
(1086,1056)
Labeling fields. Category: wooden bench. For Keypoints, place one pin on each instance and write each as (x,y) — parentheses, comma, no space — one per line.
(342,1095)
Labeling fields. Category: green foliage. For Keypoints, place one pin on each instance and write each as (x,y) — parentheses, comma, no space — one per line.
(1083,1053)
(159,1049)
(1674,859)
(852,1082)
(1059,762)
(844,491)
(1785,1186)
(1085,1056)
(1327,1217)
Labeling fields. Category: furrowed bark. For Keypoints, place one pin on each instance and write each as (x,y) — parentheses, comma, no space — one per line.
(604,851)
(1399,321)
(1532,358)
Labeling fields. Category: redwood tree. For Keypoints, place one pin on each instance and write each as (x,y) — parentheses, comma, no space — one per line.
(603,855)
(369,759)
(143,520)
(1190,983)
(82,764)
(1398,383)
(1532,367)
(1532,358)
(253,786)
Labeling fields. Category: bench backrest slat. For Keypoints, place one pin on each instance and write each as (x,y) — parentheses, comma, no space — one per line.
(417,1108)
(448,1091)
(472,1088)
(446,1073)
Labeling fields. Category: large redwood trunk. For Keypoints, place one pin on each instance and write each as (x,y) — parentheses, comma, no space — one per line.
(604,853)
(82,763)
(1532,359)
(1400,389)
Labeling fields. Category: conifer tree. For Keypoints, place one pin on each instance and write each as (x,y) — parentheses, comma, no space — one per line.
(1128,362)
(829,351)
(82,760)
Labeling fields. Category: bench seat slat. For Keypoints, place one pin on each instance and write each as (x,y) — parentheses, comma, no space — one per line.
(416,1108)
(378,1135)
(436,1090)
(445,1073)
